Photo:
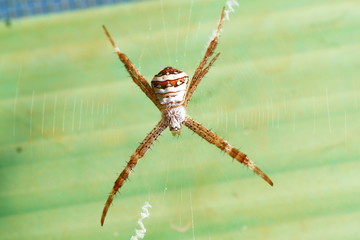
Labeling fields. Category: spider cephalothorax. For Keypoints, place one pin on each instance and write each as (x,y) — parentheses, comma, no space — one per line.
(170,93)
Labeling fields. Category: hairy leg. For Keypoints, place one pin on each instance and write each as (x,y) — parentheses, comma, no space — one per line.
(134,73)
(139,153)
(202,69)
(212,138)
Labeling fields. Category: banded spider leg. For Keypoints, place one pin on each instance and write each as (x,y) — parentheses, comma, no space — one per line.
(170,93)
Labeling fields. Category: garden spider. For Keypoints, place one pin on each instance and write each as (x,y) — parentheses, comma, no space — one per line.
(170,94)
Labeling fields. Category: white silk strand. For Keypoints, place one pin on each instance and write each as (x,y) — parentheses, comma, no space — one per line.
(140,233)
(230,4)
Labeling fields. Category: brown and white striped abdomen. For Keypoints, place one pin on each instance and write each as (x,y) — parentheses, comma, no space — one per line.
(170,86)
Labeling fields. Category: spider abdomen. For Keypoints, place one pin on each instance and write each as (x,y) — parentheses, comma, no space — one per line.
(170,86)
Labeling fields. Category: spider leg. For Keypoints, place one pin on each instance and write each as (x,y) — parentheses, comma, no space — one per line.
(134,73)
(193,87)
(212,138)
(201,70)
(139,153)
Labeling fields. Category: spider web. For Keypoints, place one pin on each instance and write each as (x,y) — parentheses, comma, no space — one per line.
(286,92)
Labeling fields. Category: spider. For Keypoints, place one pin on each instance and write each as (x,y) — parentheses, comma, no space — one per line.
(170,93)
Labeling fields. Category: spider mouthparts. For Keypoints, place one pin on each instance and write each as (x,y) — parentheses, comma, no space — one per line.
(176,132)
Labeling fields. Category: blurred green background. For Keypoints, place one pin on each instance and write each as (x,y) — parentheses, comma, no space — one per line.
(285,90)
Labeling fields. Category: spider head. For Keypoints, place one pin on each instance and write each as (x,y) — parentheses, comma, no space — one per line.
(170,86)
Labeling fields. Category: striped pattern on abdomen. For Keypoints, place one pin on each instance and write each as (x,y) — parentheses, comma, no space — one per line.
(170,86)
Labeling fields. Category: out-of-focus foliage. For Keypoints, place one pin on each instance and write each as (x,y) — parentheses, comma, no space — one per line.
(285,90)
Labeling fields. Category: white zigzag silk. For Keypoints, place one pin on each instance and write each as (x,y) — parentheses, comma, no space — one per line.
(140,233)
